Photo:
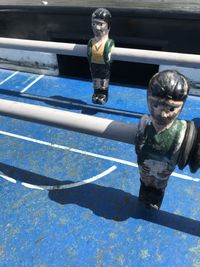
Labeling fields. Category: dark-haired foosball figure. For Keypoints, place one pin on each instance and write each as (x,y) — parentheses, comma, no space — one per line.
(160,135)
(99,54)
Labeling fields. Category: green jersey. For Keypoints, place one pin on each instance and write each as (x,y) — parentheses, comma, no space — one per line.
(105,53)
(158,151)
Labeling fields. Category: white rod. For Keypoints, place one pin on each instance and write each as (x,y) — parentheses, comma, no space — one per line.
(44,46)
(122,54)
(105,128)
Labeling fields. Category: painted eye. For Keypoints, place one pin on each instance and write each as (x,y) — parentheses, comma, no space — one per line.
(155,105)
(171,109)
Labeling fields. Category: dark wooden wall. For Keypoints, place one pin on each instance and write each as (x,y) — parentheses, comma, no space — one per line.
(145,29)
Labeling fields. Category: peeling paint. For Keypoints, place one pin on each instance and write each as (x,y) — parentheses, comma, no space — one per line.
(178,212)
(144,253)
(139,229)
(99,258)
(195,250)
(196,263)
(71,252)
(113,235)
(159,257)
(2,252)
(121,260)
(39,240)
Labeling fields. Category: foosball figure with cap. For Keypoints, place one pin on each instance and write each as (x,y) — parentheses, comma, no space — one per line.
(99,54)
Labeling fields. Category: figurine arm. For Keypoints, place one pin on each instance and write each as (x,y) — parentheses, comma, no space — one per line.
(89,50)
(190,148)
(141,133)
(108,50)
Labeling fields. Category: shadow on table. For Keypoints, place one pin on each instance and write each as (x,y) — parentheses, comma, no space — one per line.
(107,202)
(72,104)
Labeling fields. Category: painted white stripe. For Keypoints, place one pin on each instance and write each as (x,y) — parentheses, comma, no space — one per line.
(9,77)
(32,186)
(33,82)
(67,186)
(185,177)
(8,178)
(124,162)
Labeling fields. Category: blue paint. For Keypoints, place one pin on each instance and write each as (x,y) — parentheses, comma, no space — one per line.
(18,81)
(98,224)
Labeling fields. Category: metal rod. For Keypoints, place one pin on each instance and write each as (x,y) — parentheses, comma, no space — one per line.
(105,128)
(122,54)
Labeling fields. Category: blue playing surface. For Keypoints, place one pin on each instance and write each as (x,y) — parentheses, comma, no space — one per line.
(94,224)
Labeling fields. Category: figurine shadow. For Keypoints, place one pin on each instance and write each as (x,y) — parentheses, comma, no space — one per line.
(107,202)
(196,122)
(72,104)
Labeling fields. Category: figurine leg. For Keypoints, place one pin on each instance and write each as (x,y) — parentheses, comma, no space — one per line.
(150,196)
(100,95)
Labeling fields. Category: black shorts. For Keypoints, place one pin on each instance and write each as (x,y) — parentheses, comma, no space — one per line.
(100,71)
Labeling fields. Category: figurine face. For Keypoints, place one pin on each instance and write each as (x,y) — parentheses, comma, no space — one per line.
(99,27)
(164,111)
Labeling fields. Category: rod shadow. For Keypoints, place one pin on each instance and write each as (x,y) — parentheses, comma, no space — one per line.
(107,202)
(72,104)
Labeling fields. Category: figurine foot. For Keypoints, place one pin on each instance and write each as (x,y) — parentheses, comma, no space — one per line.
(99,98)
(151,197)
(155,207)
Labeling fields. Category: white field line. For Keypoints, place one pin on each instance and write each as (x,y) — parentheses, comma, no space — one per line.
(69,148)
(76,184)
(32,83)
(8,178)
(31,186)
(185,177)
(9,77)
(121,161)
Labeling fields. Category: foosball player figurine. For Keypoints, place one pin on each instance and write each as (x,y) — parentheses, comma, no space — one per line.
(99,54)
(160,140)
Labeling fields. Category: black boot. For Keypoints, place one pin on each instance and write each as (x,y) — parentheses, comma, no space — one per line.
(100,96)
(150,196)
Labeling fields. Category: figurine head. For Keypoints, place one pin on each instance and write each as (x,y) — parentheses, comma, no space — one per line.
(101,22)
(167,92)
